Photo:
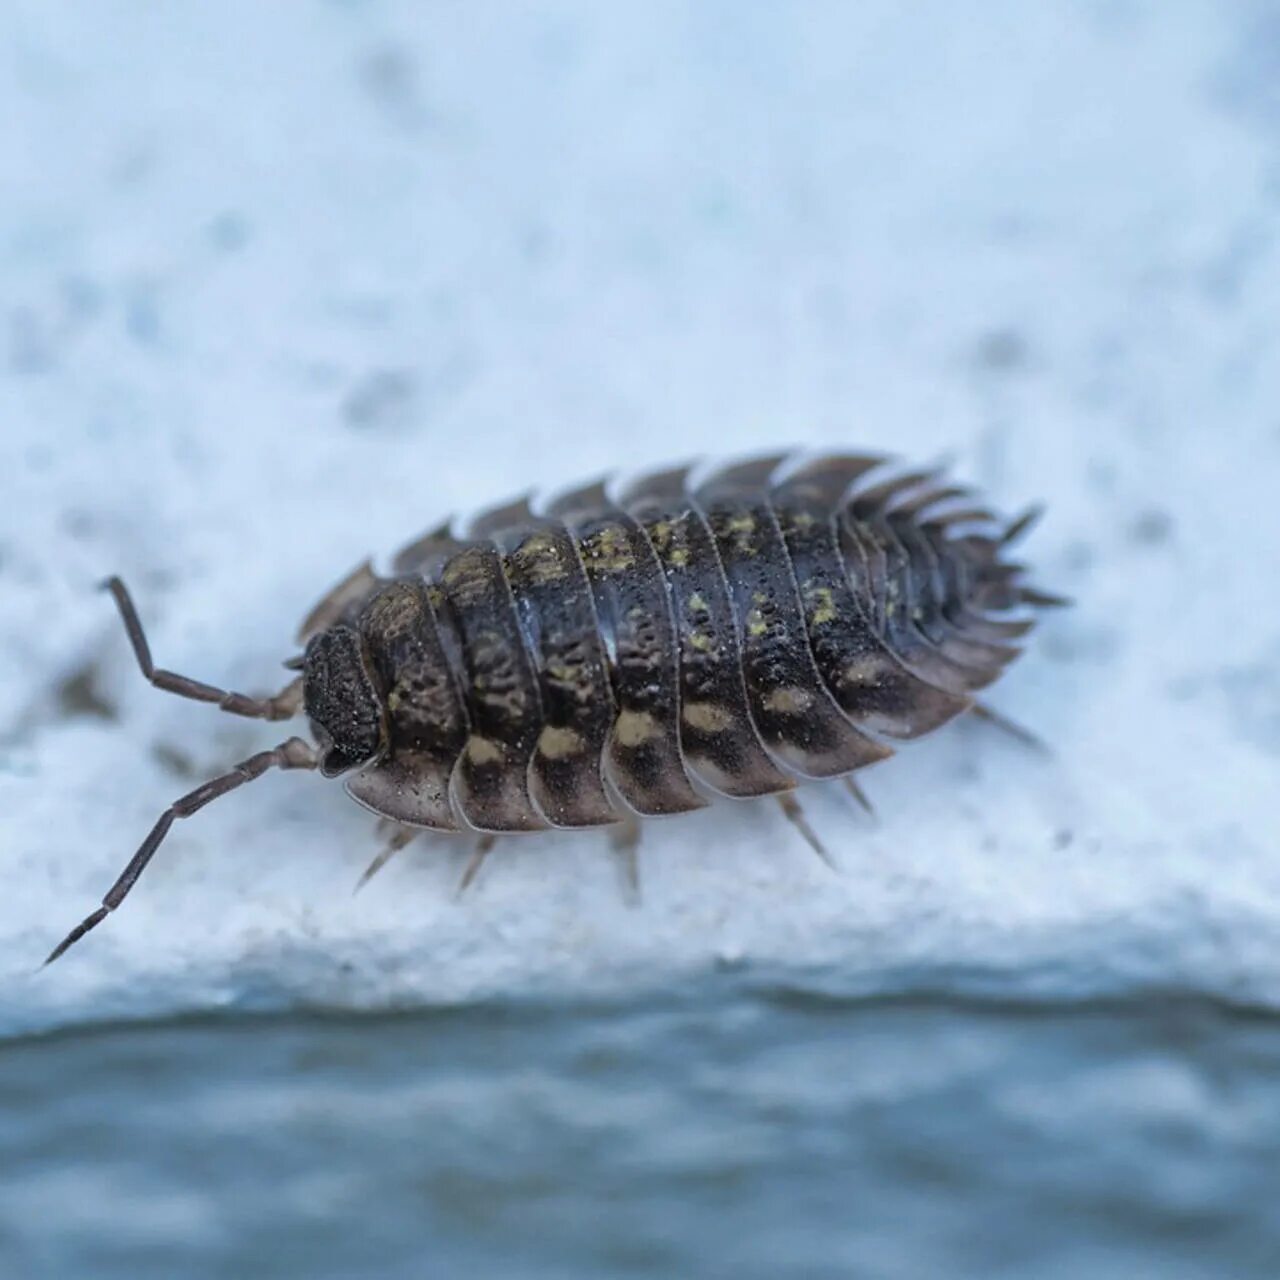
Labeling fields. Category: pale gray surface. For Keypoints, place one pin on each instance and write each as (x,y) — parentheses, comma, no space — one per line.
(284,284)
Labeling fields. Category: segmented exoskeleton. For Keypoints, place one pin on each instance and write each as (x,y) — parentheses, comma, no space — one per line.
(637,651)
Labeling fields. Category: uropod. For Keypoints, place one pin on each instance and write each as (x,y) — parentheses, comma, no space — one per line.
(638,651)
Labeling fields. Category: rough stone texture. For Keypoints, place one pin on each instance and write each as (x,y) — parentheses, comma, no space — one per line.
(281,285)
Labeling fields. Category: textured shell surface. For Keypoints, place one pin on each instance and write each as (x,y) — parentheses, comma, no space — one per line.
(697,632)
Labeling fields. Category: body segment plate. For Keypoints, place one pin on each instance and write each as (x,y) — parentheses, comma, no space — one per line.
(716,731)
(491,781)
(872,687)
(795,715)
(426,716)
(558,618)
(645,761)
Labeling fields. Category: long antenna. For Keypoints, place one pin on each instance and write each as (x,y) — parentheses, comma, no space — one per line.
(293,754)
(283,706)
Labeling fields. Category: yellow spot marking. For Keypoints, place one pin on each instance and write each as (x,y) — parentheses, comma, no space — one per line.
(460,567)
(743,528)
(679,557)
(821,605)
(483,751)
(756,625)
(536,544)
(632,728)
(866,673)
(660,534)
(539,557)
(570,675)
(700,641)
(466,575)
(557,743)
(609,550)
(697,604)
(788,702)
(706,716)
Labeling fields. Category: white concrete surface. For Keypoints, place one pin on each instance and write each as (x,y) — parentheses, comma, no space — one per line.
(283,284)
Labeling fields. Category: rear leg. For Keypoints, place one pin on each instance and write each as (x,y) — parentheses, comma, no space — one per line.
(624,839)
(860,796)
(284,706)
(980,711)
(399,838)
(483,847)
(795,815)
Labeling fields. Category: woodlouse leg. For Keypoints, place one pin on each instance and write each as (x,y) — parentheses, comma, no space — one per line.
(284,706)
(795,815)
(293,754)
(858,794)
(985,713)
(624,839)
(398,839)
(484,847)
(1043,599)
(1022,524)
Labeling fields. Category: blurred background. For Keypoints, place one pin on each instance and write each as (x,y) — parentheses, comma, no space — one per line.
(283,285)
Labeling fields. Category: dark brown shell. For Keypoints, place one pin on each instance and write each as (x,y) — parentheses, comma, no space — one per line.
(767,623)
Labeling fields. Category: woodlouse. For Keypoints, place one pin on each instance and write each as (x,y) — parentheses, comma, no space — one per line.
(635,652)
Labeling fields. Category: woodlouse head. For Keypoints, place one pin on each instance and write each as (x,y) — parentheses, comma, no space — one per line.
(344,701)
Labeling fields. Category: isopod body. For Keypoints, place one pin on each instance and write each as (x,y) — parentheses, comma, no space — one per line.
(639,650)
